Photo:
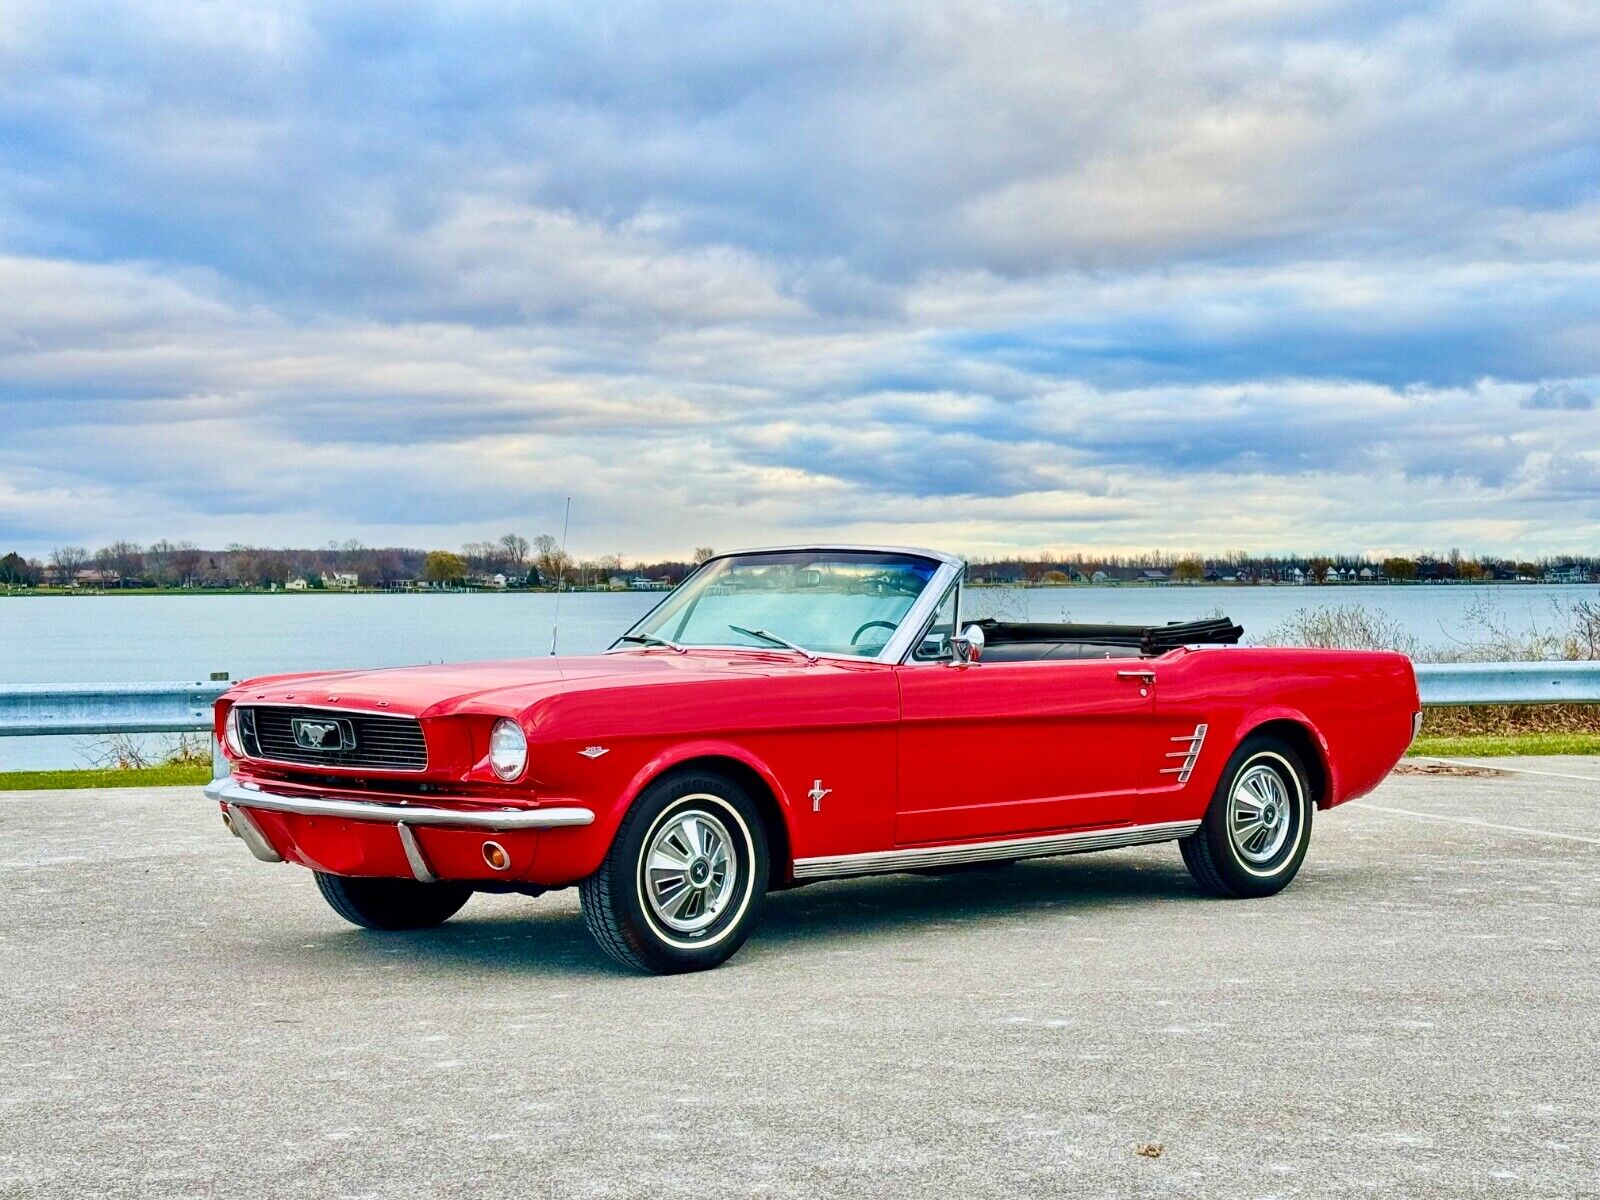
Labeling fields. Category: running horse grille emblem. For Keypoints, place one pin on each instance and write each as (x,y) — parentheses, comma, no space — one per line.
(321,735)
(1190,755)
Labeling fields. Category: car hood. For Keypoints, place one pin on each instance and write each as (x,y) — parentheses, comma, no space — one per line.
(509,686)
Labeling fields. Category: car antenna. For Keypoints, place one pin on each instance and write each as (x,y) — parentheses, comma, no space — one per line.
(561,576)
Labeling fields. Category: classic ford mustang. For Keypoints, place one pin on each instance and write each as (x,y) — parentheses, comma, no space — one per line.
(793,715)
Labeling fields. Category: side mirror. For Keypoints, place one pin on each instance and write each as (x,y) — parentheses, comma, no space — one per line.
(968,644)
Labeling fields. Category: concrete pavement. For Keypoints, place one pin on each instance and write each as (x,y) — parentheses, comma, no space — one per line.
(1417,1015)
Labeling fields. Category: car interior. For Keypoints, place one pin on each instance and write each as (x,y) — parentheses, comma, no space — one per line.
(1023,641)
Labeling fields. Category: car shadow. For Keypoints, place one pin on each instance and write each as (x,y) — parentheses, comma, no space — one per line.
(888,904)
(526,941)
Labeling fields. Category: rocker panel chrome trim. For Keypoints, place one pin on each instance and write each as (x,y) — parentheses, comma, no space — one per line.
(917,857)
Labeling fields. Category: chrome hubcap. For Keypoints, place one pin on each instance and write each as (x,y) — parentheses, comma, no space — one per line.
(1258,814)
(689,871)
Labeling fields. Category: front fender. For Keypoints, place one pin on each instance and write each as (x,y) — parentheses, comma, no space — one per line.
(682,752)
(570,855)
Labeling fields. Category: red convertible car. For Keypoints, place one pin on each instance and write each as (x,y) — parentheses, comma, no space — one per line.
(792,715)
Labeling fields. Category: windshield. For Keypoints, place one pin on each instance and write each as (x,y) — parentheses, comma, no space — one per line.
(822,601)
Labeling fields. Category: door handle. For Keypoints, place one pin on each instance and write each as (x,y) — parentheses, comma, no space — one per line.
(1141,676)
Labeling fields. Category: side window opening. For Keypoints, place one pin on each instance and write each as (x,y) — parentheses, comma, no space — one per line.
(935,643)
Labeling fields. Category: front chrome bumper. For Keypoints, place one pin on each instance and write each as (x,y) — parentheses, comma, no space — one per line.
(228,791)
(237,797)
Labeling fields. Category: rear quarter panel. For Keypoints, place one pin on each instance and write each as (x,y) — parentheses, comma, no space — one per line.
(1357,707)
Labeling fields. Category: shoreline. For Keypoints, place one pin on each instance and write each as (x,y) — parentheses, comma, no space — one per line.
(69,593)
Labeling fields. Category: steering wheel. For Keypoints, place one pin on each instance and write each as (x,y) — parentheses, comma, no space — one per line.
(855,640)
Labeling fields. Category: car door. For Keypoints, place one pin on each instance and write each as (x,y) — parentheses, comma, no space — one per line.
(989,749)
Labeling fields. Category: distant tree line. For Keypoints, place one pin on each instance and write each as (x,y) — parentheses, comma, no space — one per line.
(541,562)
(522,562)
(1242,567)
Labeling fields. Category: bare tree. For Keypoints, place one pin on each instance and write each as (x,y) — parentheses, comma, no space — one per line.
(158,562)
(553,561)
(701,553)
(122,559)
(66,562)
(480,556)
(516,551)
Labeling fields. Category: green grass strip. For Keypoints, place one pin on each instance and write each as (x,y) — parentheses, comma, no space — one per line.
(28,781)
(1495,745)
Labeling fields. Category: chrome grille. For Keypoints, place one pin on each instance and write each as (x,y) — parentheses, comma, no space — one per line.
(382,742)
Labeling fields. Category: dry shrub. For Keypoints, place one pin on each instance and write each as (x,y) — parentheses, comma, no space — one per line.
(133,752)
(1347,627)
(1572,634)
(1511,718)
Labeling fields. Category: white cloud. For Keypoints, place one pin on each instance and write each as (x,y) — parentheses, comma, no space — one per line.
(993,276)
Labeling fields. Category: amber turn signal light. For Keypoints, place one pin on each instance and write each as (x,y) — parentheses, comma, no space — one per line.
(495,855)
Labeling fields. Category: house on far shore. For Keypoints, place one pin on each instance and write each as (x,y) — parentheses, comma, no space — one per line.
(342,579)
(1099,579)
(497,580)
(1566,573)
(1150,575)
(296,585)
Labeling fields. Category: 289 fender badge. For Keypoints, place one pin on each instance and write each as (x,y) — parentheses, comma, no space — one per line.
(594,751)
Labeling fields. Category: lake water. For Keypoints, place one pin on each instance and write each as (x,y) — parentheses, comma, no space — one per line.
(117,639)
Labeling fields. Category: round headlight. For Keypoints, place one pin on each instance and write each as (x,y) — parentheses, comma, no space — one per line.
(230,733)
(508,749)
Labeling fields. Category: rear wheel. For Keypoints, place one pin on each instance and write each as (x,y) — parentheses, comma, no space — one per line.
(392,903)
(1258,826)
(683,882)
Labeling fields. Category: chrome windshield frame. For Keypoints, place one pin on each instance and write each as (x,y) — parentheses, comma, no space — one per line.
(895,650)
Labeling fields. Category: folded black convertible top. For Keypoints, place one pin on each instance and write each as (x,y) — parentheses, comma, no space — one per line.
(1149,639)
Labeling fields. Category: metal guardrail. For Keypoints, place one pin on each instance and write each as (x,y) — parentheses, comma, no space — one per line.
(108,708)
(103,708)
(1509,683)
(186,707)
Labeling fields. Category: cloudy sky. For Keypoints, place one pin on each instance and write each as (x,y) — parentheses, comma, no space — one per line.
(987,276)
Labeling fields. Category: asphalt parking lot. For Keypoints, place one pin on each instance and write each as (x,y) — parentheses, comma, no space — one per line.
(1419,1014)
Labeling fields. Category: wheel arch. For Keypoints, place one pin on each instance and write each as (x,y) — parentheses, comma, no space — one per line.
(743,769)
(1300,734)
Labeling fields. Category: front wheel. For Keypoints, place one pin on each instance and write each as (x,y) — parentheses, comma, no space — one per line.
(390,904)
(683,882)
(1256,830)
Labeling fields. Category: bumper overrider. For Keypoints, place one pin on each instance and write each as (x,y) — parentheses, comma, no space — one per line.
(243,804)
